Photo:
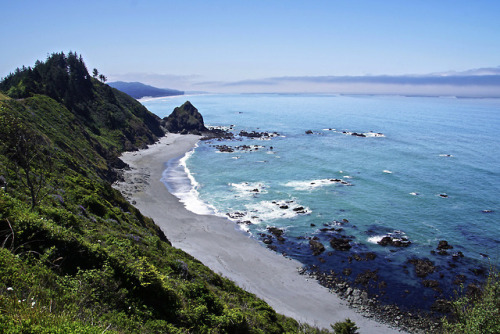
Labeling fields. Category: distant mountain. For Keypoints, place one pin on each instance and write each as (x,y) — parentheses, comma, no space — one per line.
(139,90)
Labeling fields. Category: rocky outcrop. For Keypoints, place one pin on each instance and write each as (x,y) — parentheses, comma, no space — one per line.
(443,244)
(316,246)
(258,135)
(396,242)
(423,267)
(277,232)
(341,244)
(185,119)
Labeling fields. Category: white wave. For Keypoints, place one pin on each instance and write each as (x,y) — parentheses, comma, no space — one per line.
(362,134)
(414,193)
(249,188)
(313,184)
(374,134)
(220,127)
(266,211)
(375,239)
(387,171)
(181,183)
(446,155)
(396,235)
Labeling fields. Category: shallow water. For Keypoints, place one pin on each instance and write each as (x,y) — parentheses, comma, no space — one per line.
(427,170)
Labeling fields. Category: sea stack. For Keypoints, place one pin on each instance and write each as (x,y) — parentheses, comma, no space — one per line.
(185,119)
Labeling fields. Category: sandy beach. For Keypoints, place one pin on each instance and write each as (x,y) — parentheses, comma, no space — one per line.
(217,243)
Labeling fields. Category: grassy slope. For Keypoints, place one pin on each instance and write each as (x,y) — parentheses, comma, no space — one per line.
(85,260)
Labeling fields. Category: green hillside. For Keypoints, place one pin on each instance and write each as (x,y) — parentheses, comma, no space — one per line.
(75,256)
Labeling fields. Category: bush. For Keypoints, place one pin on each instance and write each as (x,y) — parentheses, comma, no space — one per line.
(477,314)
(345,327)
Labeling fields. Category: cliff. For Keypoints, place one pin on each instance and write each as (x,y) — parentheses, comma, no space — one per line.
(75,256)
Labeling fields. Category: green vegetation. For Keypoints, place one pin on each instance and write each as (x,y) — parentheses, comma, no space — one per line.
(345,327)
(113,120)
(477,313)
(75,256)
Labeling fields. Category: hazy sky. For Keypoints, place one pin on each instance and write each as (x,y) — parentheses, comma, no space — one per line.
(220,45)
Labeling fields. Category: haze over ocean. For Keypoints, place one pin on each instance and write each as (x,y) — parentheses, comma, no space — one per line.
(425,47)
(427,170)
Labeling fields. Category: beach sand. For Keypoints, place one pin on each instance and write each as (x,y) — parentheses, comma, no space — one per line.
(218,244)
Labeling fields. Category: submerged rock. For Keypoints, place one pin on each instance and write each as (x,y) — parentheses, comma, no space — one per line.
(267,241)
(396,242)
(277,232)
(317,247)
(341,244)
(442,306)
(430,283)
(443,244)
(365,277)
(423,267)
(364,256)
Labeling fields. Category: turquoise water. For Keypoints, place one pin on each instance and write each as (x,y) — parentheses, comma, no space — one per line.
(427,170)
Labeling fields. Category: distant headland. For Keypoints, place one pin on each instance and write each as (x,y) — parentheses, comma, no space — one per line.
(139,90)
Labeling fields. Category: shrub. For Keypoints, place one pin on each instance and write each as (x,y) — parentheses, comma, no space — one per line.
(345,327)
(477,314)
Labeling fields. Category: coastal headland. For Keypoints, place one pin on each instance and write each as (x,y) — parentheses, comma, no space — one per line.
(217,243)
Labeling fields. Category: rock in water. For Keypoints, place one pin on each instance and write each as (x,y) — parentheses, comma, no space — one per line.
(341,244)
(443,244)
(423,267)
(316,246)
(185,119)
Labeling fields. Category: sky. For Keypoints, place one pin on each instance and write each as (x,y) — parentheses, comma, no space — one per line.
(266,46)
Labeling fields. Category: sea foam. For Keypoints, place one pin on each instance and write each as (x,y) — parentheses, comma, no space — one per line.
(313,184)
(181,183)
(249,188)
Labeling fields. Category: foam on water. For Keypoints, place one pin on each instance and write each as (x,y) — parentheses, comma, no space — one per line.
(182,184)
(249,189)
(313,184)
(375,239)
(269,211)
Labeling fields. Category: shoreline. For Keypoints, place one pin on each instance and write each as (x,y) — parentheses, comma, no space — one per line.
(218,244)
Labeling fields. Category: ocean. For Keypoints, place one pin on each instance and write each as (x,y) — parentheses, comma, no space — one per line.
(354,169)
